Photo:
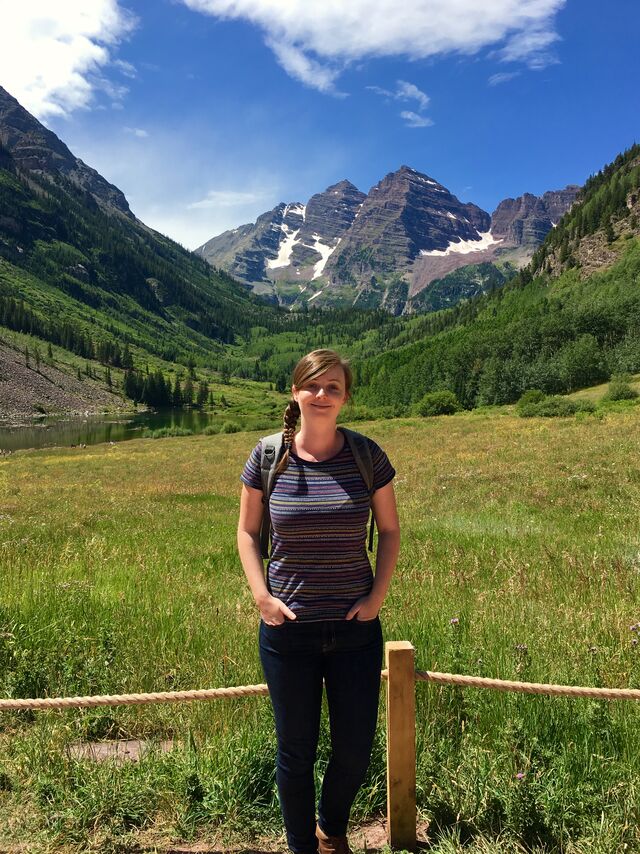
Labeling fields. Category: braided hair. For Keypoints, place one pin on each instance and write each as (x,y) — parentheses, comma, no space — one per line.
(308,368)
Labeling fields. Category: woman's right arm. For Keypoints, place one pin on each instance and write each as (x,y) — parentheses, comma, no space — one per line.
(272,610)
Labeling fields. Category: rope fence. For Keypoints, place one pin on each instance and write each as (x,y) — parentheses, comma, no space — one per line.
(52,703)
(462,681)
(527,687)
(401,677)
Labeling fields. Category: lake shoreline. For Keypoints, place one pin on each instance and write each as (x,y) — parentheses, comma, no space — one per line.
(19,418)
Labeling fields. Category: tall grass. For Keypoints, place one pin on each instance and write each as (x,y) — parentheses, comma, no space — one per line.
(520,559)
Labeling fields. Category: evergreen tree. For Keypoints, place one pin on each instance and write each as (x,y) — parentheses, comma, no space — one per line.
(127,358)
(187,394)
(609,234)
(203,393)
(176,399)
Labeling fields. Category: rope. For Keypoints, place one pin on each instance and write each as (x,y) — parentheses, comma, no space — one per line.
(528,687)
(133,699)
(262,690)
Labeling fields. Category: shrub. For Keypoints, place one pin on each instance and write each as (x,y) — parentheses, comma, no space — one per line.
(532,395)
(230,427)
(438,403)
(585,406)
(555,406)
(211,430)
(620,388)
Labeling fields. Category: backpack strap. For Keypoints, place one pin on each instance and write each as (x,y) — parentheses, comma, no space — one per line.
(361,451)
(269,459)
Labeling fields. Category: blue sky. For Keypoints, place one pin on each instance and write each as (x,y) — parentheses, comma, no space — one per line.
(208,112)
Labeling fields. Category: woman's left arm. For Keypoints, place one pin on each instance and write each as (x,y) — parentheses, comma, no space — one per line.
(386,516)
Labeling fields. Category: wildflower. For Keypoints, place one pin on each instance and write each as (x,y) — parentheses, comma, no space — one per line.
(521,647)
(634,642)
(520,775)
(634,627)
(593,649)
(454,621)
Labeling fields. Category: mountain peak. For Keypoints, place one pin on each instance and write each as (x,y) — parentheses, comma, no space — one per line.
(345,184)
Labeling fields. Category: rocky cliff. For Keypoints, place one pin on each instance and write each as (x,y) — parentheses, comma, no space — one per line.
(527,220)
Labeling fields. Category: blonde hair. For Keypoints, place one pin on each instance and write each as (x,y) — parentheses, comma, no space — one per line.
(308,368)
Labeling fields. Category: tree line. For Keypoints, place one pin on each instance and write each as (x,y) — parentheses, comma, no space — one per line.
(154,389)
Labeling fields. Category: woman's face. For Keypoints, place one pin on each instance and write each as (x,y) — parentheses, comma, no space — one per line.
(323,396)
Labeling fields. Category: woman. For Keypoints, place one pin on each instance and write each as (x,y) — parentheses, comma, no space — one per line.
(319,603)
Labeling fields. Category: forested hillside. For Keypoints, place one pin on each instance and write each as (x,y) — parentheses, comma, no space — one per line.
(570,319)
(73,274)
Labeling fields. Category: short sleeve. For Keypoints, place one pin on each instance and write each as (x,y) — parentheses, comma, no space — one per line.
(251,475)
(383,471)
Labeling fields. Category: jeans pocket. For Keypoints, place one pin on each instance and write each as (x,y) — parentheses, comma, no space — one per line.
(277,627)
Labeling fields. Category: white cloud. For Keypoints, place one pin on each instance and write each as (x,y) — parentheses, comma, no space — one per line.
(408,92)
(314,41)
(139,132)
(404,92)
(53,55)
(530,47)
(228,199)
(415,120)
(504,77)
(298,65)
(126,68)
(380,91)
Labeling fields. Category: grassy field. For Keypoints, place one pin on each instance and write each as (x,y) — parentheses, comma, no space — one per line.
(520,559)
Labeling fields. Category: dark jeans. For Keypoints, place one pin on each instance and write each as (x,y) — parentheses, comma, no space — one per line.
(295,658)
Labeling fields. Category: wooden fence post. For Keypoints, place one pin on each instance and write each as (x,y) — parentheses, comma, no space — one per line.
(401,744)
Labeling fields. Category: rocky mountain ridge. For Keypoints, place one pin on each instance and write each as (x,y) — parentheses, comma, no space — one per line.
(34,148)
(384,248)
(528,219)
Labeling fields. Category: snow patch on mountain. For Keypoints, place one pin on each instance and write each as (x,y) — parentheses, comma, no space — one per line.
(464,247)
(325,251)
(286,248)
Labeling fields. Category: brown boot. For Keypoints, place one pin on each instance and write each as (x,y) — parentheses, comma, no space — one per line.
(331,844)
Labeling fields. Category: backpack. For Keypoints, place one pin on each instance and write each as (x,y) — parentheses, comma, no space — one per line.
(272,449)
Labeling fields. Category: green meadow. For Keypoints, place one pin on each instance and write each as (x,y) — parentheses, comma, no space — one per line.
(520,560)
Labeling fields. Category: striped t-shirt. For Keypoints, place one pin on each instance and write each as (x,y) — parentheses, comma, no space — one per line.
(319,512)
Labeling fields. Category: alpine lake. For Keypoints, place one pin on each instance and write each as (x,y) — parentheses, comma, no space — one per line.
(73,430)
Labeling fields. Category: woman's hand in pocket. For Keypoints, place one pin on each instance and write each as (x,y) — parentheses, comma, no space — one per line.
(364,609)
(274,612)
